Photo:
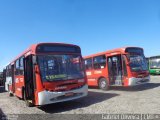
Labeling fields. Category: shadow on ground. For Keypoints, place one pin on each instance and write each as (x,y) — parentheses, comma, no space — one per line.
(2,115)
(154,75)
(92,98)
(142,87)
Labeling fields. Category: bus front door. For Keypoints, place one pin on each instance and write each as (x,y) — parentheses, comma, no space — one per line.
(28,78)
(13,78)
(115,70)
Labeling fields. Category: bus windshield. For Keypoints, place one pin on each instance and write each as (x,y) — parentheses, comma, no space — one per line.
(138,63)
(155,63)
(60,67)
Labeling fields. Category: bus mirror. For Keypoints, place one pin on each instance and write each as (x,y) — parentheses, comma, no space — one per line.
(34,60)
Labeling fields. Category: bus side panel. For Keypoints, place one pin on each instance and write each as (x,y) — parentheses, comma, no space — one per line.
(125,78)
(100,73)
(39,85)
(94,75)
(19,84)
(129,74)
(91,80)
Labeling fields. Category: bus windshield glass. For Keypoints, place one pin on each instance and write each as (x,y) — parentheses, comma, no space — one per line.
(155,63)
(60,67)
(138,63)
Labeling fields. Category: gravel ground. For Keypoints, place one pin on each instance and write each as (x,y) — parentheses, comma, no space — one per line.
(144,99)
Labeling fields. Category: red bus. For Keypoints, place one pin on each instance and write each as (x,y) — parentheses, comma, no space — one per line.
(120,67)
(47,73)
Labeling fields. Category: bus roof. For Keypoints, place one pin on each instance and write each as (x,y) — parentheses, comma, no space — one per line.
(121,50)
(32,49)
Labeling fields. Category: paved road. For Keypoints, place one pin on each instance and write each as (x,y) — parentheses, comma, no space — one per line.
(142,99)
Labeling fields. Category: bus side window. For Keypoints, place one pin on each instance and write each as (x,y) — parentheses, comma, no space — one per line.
(88,64)
(7,72)
(21,66)
(110,66)
(100,62)
(124,65)
(17,67)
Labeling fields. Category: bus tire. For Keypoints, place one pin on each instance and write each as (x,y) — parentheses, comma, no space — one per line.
(10,94)
(103,84)
(28,104)
(23,93)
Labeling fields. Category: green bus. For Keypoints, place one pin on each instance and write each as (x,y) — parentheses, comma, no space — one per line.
(154,65)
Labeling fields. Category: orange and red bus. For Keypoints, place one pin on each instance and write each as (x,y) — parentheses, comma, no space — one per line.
(119,67)
(47,73)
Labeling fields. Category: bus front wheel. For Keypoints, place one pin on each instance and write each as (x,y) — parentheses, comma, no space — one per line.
(27,102)
(103,84)
(10,94)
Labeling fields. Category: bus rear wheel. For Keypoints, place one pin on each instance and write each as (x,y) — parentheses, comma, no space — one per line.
(103,84)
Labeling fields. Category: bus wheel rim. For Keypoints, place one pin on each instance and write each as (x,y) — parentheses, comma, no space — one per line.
(103,84)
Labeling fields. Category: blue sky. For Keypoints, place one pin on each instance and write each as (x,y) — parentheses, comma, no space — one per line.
(95,25)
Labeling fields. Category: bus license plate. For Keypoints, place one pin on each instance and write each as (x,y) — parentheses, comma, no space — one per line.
(69,94)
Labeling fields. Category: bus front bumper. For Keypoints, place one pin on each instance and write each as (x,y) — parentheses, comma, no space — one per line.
(138,81)
(47,97)
(154,71)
